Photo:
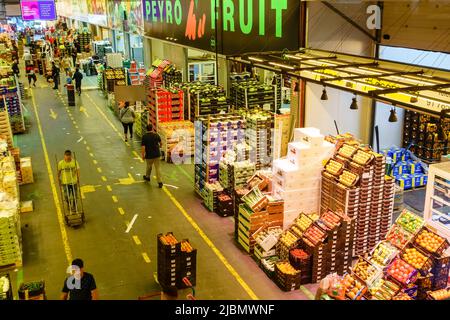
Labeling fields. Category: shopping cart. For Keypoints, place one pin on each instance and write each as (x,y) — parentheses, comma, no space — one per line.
(72,203)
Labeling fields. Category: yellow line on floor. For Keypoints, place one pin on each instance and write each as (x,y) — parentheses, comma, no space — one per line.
(99,170)
(221,257)
(137,241)
(88,148)
(104,178)
(121,211)
(114,198)
(84,142)
(104,116)
(95,161)
(91,154)
(59,213)
(210,244)
(137,156)
(146,258)
(109,188)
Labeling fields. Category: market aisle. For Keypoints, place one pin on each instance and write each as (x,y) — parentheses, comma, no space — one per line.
(122,263)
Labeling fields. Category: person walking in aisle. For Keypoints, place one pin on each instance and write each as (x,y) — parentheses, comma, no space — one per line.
(127,117)
(78,76)
(31,74)
(151,153)
(15,68)
(68,177)
(55,75)
(80,285)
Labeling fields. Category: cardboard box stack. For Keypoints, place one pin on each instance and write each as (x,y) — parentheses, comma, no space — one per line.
(10,232)
(281,135)
(177,140)
(213,138)
(257,211)
(5,128)
(354,182)
(260,138)
(176,260)
(26,170)
(297,179)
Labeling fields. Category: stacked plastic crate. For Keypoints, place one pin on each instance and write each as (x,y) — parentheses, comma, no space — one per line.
(137,74)
(165,106)
(10,232)
(213,137)
(259,136)
(297,178)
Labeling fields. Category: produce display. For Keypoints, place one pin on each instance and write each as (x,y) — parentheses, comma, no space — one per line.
(383,254)
(384,290)
(431,242)
(398,236)
(366,271)
(409,221)
(286,268)
(5,288)
(362,157)
(168,239)
(314,234)
(443,294)
(288,239)
(249,94)
(402,296)
(348,178)
(334,167)
(114,77)
(402,271)
(303,222)
(416,258)
(354,289)
(177,140)
(347,151)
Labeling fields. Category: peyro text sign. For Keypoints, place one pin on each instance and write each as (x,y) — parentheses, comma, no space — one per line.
(237,25)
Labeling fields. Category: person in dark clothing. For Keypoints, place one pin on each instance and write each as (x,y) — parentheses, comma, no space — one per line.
(77,76)
(151,153)
(55,75)
(127,117)
(15,68)
(80,285)
(74,56)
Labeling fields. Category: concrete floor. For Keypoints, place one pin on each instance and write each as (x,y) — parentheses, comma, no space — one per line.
(116,258)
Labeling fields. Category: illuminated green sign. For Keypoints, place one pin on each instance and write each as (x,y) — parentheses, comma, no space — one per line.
(240,25)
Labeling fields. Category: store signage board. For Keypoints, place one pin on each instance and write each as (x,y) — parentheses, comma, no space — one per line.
(237,26)
(427,101)
(132,9)
(38,10)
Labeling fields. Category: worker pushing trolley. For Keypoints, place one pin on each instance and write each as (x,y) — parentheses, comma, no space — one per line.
(69,183)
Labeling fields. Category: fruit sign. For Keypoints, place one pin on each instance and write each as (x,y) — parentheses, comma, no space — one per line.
(237,26)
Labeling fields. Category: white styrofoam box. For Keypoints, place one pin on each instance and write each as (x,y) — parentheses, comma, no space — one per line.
(309,135)
(300,153)
(303,205)
(297,181)
(294,195)
(289,218)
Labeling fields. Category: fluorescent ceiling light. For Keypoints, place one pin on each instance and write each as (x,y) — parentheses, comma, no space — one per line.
(255,59)
(282,65)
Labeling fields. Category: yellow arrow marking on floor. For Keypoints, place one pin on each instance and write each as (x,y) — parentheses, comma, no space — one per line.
(146,258)
(114,198)
(59,213)
(137,241)
(53,114)
(138,157)
(83,110)
(86,189)
(121,211)
(109,188)
(127,181)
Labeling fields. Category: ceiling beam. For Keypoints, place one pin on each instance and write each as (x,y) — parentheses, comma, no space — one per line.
(350,65)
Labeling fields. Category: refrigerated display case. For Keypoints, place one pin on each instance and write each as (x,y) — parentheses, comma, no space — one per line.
(437,201)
